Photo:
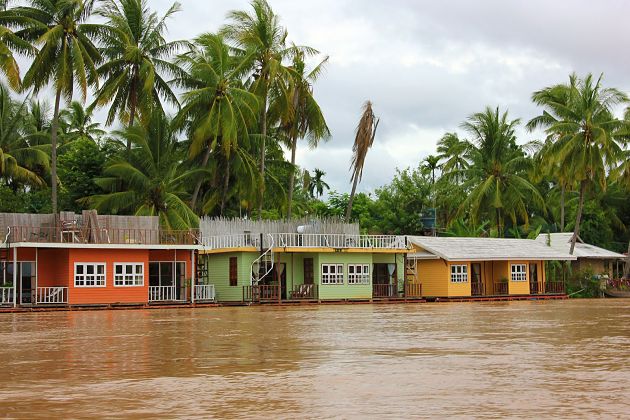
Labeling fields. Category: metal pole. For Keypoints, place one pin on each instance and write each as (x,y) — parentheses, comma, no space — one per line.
(14,277)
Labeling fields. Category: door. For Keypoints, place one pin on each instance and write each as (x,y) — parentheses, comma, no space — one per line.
(26,275)
(280,277)
(476,284)
(309,274)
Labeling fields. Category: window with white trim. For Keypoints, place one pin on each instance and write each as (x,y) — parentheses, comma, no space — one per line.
(358,274)
(519,272)
(129,274)
(459,273)
(332,273)
(89,275)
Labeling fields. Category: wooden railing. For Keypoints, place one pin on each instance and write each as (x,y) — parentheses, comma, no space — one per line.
(162,293)
(314,240)
(204,293)
(53,295)
(501,288)
(261,293)
(477,288)
(554,287)
(618,283)
(77,234)
(304,291)
(535,287)
(413,290)
(384,290)
(6,295)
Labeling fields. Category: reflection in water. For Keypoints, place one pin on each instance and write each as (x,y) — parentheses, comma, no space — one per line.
(528,359)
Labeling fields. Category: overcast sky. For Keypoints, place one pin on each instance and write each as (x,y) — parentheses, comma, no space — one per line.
(427,65)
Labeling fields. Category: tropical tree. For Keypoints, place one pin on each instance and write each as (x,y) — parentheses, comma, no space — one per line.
(217,109)
(453,153)
(262,38)
(151,180)
(136,60)
(363,140)
(580,116)
(317,183)
(497,177)
(10,43)
(302,118)
(19,162)
(67,56)
(431,164)
(76,123)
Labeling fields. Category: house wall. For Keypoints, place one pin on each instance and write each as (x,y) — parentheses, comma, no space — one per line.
(345,290)
(518,287)
(434,276)
(219,274)
(53,268)
(458,289)
(598,266)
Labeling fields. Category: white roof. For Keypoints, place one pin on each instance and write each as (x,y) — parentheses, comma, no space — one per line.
(488,249)
(562,242)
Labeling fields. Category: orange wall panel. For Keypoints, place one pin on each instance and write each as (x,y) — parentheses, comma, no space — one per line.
(52,267)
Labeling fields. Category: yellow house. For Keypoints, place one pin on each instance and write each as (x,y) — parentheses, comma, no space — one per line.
(464,267)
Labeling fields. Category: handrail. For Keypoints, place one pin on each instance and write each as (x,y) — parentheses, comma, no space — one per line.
(204,292)
(7,236)
(54,294)
(307,240)
(264,262)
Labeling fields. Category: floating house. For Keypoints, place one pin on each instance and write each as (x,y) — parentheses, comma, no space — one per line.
(591,257)
(325,260)
(92,259)
(482,267)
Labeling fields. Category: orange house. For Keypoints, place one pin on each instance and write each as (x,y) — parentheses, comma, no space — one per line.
(79,264)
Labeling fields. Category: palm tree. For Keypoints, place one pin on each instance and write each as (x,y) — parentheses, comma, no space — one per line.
(151,180)
(496,177)
(136,60)
(579,115)
(9,43)
(317,183)
(453,153)
(431,164)
(19,162)
(303,116)
(67,55)
(365,132)
(77,123)
(217,108)
(260,35)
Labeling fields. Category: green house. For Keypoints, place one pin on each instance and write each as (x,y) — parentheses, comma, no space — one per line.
(272,261)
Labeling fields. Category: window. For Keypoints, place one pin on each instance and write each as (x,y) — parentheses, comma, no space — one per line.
(167,273)
(358,274)
(89,274)
(233,271)
(332,273)
(519,272)
(129,274)
(459,273)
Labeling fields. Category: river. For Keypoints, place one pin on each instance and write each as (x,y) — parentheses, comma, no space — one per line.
(513,359)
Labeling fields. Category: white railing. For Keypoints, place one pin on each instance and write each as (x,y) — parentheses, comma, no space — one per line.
(309,240)
(162,293)
(204,292)
(55,294)
(6,295)
(264,263)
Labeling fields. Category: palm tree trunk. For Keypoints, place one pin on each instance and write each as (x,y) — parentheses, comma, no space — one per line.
(499,230)
(578,218)
(53,153)
(291,177)
(354,189)
(133,96)
(562,191)
(204,163)
(226,184)
(263,132)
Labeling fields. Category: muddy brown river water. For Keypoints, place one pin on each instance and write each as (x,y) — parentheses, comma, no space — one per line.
(563,359)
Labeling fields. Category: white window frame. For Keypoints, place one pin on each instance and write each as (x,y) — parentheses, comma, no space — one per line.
(334,276)
(358,274)
(129,280)
(100,280)
(459,273)
(518,272)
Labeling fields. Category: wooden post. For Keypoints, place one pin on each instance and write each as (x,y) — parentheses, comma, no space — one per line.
(192,276)
(14,276)
(36,275)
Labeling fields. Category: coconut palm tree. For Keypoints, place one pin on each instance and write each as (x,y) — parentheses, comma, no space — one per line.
(453,153)
(431,164)
(10,43)
(261,36)
(317,183)
(67,56)
(76,123)
(302,118)
(497,176)
(136,60)
(580,115)
(217,109)
(151,180)
(363,140)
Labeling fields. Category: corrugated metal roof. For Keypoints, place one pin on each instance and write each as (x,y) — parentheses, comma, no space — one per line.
(488,249)
(562,242)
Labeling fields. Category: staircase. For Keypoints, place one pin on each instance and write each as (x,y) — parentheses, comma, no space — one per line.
(263,265)
(6,293)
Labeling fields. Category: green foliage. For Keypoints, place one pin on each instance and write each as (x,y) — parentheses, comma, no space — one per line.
(79,166)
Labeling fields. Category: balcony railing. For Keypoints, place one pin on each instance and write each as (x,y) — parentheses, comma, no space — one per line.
(554,287)
(296,240)
(501,288)
(75,234)
(6,295)
(54,295)
(204,293)
(162,293)
(304,291)
(413,290)
(477,288)
(261,293)
(384,290)
(535,287)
